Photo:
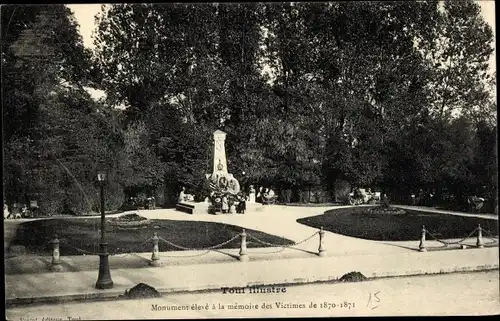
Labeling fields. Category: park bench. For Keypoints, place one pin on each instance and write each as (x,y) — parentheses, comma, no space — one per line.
(33,209)
(184,207)
(475,203)
(14,216)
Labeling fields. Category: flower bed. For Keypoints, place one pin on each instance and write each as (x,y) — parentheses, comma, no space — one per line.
(386,210)
(373,223)
(128,221)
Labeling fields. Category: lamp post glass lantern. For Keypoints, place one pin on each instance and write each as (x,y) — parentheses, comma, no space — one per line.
(104,279)
(101,176)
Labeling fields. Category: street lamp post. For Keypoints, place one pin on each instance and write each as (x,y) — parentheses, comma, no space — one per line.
(104,280)
(244,182)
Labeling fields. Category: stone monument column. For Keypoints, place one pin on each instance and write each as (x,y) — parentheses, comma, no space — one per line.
(220,161)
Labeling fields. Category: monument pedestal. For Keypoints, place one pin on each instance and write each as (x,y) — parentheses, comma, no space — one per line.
(192,208)
(203,208)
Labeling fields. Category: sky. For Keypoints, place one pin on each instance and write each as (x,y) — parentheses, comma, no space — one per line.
(85,16)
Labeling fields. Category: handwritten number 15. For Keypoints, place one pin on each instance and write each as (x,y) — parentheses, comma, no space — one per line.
(373,300)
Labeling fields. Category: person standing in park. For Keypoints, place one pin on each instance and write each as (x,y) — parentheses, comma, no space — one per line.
(270,193)
(259,195)
(24,211)
(251,195)
(225,205)
(385,201)
(242,205)
(6,212)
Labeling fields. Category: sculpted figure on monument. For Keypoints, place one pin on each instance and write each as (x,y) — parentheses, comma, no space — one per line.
(233,186)
(216,177)
(182,195)
(223,183)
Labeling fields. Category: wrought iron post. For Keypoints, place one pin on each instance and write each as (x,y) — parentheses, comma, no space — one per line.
(104,279)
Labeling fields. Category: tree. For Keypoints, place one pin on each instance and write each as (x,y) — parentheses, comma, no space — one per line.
(363,57)
(485,164)
(50,137)
(459,55)
(184,152)
(353,90)
(146,51)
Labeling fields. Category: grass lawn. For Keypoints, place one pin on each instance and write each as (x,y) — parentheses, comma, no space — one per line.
(359,222)
(126,237)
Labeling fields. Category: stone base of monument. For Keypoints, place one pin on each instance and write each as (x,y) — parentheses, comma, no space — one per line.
(204,208)
(192,208)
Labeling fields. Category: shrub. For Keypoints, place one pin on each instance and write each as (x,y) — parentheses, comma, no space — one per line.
(386,210)
(141,291)
(51,206)
(114,197)
(17,250)
(353,277)
(131,217)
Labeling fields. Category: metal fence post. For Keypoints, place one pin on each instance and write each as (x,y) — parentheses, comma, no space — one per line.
(421,247)
(243,248)
(155,257)
(56,256)
(479,242)
(321,250)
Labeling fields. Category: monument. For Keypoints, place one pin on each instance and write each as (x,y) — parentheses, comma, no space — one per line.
(225,188)
(221,179)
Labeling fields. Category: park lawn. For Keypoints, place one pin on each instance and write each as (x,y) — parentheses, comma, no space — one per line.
(80,236)
(359,222)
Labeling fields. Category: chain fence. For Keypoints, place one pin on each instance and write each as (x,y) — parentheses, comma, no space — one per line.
(82,251)
(263,252)
(139,247)
(217,246)
(44,248)
(486,234)
(209,248)
(435,237)
(283,246)
(131,250)
(492,237)
(186,256)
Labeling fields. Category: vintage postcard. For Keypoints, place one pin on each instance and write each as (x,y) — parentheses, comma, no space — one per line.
(249,160)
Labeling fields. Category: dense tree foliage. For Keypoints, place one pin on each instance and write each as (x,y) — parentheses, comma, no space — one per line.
(54,133)
(314,97)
